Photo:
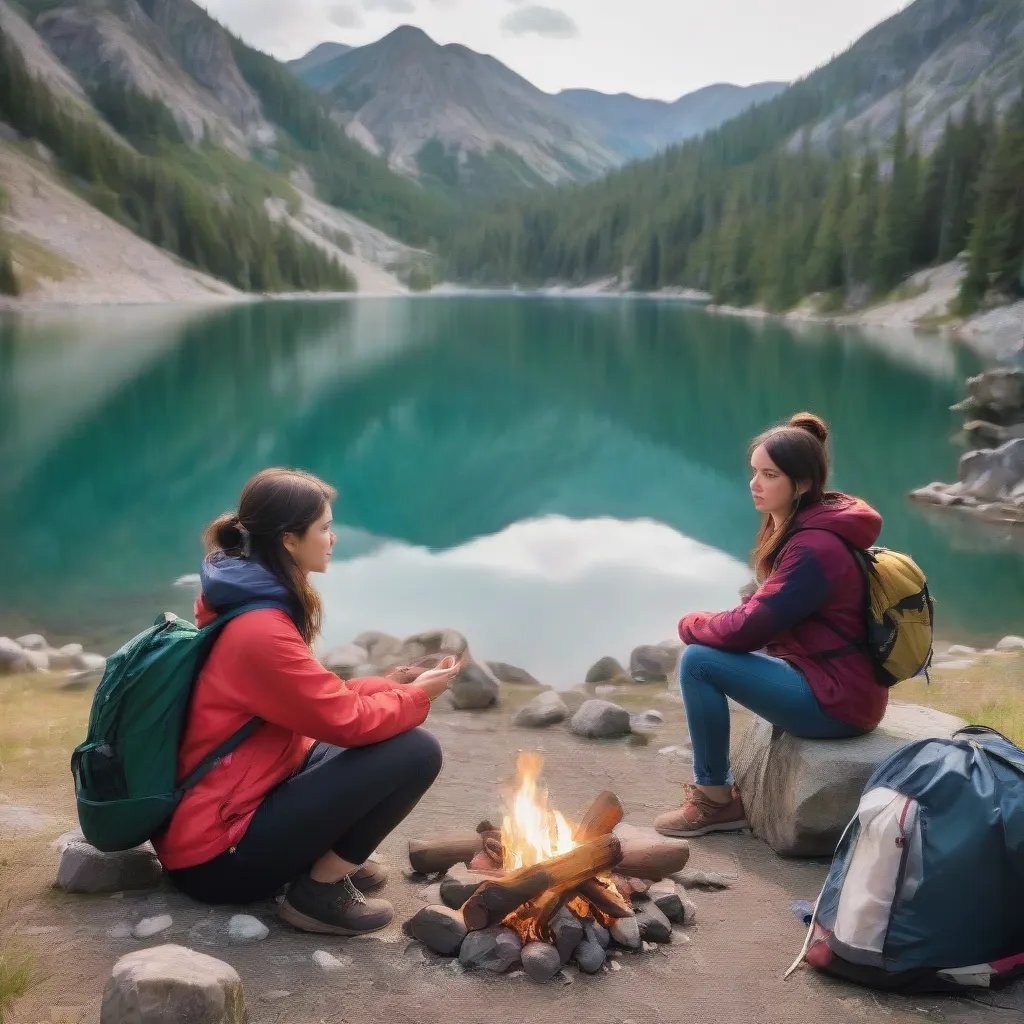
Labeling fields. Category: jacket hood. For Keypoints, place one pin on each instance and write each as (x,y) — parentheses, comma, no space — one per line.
(852,519)
(229,582)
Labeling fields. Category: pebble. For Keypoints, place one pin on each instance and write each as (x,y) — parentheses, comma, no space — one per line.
(244,928)
(152,926)
(960,650)
(121,931)
(614,965)
(329,962)
(274,995)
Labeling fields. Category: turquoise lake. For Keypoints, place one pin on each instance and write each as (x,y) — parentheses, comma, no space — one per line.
(557,478)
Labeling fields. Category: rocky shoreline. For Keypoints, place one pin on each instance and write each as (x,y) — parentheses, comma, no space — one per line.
(990,480)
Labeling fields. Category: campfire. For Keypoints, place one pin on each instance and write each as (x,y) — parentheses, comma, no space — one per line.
(539,889)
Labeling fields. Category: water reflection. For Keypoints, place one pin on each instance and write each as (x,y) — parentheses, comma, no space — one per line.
(442,421)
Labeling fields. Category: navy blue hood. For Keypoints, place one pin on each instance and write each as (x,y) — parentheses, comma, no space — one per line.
(229,582)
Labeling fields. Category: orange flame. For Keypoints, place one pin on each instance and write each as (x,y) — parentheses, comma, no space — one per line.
(532,831)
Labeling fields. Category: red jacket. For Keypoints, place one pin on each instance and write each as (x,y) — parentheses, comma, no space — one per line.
(815,581)
(260,667)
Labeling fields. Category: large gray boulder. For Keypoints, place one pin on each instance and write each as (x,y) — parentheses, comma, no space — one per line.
(475,688)
(653,664)
(171,985)
(511,674)
(434,641)
(345,661)
(545,709)
(84,869)
(600,719)
(800,794)
(606,670)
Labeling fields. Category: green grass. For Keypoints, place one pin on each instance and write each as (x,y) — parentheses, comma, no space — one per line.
(989,693)
(16,974)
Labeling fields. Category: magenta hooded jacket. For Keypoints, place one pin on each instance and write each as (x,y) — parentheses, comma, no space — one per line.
(815,581)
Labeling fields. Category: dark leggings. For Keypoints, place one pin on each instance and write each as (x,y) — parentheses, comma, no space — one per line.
(345,800)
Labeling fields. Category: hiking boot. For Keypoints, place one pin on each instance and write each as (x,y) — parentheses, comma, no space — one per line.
(370,877)
(333,908)
(700,815)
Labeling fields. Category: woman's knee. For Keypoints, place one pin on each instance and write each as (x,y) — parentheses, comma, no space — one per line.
(694,662)
(421,753)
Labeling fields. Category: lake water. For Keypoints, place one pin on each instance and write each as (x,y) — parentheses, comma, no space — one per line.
(557,478)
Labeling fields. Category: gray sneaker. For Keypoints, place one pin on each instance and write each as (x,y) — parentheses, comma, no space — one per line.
(333,908)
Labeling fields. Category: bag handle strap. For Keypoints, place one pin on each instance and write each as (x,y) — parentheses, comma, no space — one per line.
(236,739)
(976,734)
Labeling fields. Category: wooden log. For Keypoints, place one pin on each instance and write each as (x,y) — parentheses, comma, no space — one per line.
(431,855)
(605,898)
(604,813)
(496,899)
(649,856)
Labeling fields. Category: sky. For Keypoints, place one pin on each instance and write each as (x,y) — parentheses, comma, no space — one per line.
(656,48)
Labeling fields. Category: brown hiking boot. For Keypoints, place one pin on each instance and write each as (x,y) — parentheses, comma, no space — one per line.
(700,815)
(333,908)
(370,877)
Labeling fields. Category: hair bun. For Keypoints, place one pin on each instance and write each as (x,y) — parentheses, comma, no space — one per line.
(814,425)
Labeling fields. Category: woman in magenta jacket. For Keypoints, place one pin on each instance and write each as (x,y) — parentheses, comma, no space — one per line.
(785,653)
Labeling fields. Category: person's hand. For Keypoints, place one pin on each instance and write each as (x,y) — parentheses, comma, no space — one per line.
(405,673)
(436,681)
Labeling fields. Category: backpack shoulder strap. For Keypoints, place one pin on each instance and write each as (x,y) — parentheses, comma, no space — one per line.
(1013,756)
(236,739)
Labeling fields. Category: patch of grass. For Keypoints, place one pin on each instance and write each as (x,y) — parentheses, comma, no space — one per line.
(988,693)
(34,262)
(16,974)
(220,169)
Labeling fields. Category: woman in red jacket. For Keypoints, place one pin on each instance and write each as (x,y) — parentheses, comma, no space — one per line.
(334,766)
(806,677)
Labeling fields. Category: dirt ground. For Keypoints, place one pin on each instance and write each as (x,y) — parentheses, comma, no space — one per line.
(728,967)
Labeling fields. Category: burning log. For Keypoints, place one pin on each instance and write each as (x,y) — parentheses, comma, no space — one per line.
(498,898)
(432,855)
(606,898)
(600,817)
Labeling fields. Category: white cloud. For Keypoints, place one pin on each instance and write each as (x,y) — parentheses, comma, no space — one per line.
(540,21)
(395,6)
(345,16)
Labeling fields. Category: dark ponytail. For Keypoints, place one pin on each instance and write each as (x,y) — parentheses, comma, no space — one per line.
(275,502)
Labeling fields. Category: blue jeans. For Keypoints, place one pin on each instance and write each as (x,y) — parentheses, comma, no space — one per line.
(770,687)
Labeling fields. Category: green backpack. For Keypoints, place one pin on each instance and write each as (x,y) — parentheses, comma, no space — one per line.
(126,770)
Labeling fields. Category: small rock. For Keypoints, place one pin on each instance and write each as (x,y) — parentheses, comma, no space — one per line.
(606,670)
(438,928)
(458,885)
(1011,643)
(595,932)
(171,984)
(491,949)
(150,926)
(567,931)
(545,709)
(960,651)
(343,661)
(689,913)
(329,962)
(510,674)
(626,932)
(954,665)
(84,869)
(654,925)
(245,928)
(693,878)
(590,956)
(541,961)
(66,657)
(667,899)
(432,894)
(275,995)
(32,642)
(614,966)
(120,931)
(12,657)
(600,719)
(649,664)
(649,717)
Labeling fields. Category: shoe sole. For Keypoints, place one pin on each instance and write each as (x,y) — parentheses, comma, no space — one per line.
(305,923)
(692,833)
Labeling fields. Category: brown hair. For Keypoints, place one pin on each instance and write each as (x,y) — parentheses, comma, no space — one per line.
(275,502)
(799,449)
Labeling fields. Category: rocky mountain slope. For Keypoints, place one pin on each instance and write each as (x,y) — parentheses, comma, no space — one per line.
(198,122)
(637,128)
(457,116)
